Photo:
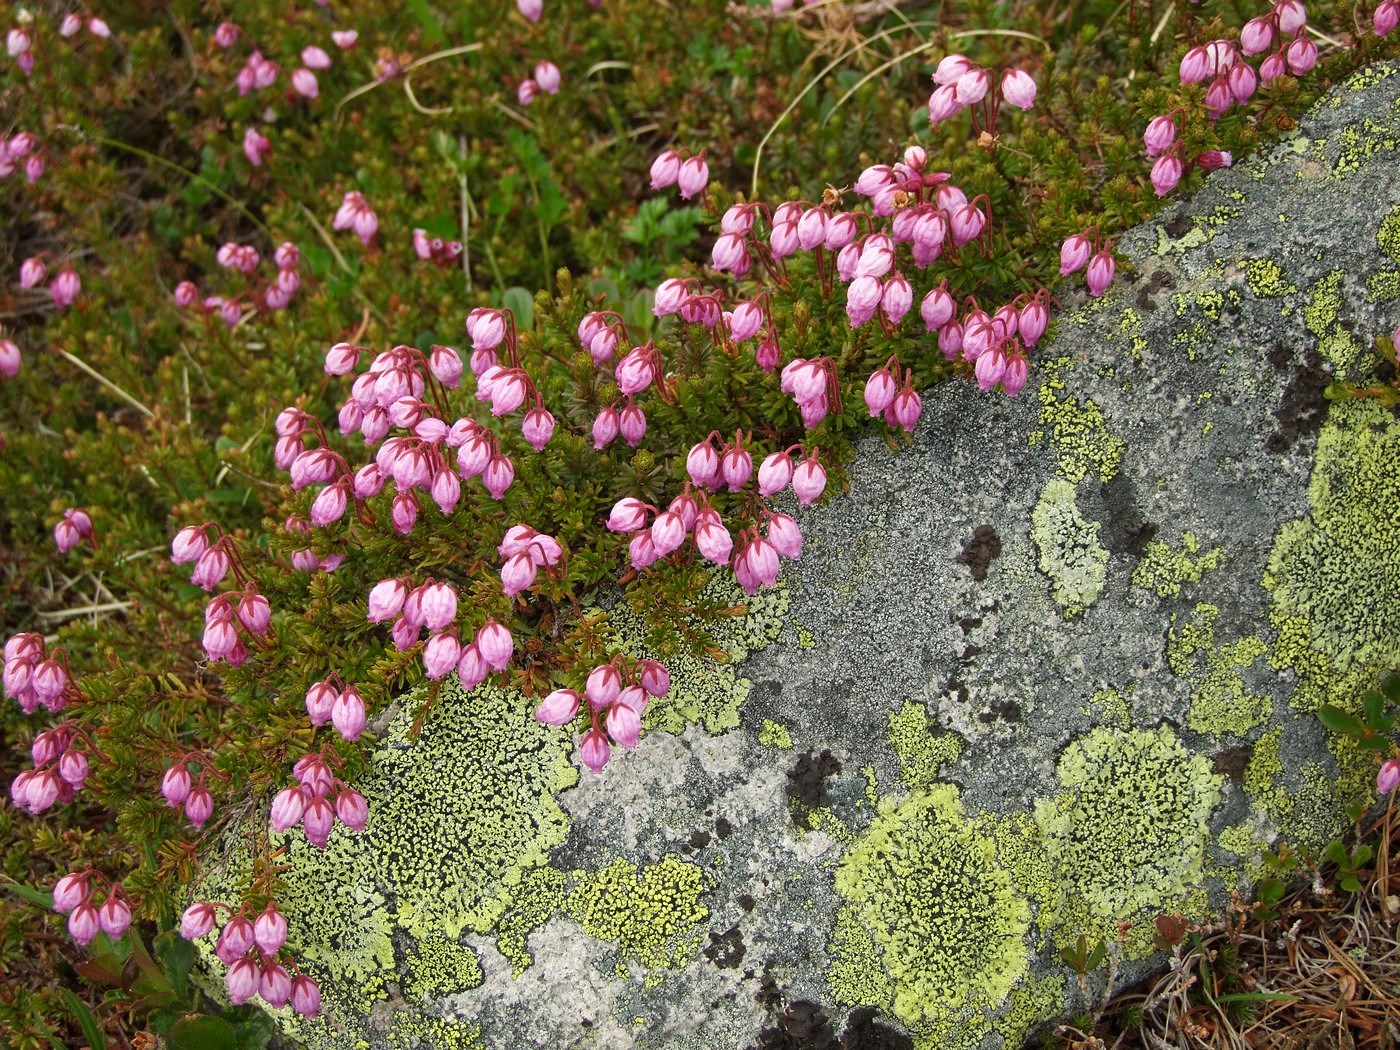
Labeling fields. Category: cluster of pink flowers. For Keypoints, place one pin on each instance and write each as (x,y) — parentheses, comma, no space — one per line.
(964,84)
(74,896)
(181,790)
(74,527)
(679,167)
(433,606)
(526,552)
(1161,142)
(885,396)
(813,385)
(546,79)
(435,249)
(1233,81)
(251,950)
(60,770)
(64,286)
(19,43)
(618,692)
(1078,250)
(355,214)
(33,678)
(310,804)
(22,149)
(272,295)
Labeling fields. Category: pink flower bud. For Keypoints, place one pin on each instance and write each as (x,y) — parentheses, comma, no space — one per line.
(306,996)
(1018,88)
(785,536)
(1195,66)
(713,540)
(1386,17)
(1256,36)
(1301,55)
(197,920)
(808,481)
(175,785)
(905,410)
(624,725)
(403,512)
(348,714)
(242,981)
(896,298)
(275,985)
(1100,273)
(226,34)
(950,68)
(667,533)
(603,685)
(114,917)
(287,807)
(498,475)
(199,806)
(270,931)
(73,768)
(594,750)
(1388,776)
(234,941)
(256,146)
(605,428)
(64,288)
(304,83)
(351,808)
(495,645)
(628,515)
(1242,82)
(736,466)
(559,708)
(972,86)
(547,76)
(439,606)
(69,892)
(862,299)
(83,924)
(632,425)
(1159,136)
(518,574)
(9,358)
(693,176)
(1272,68)
(1292,16)
(318,821)
(1166,171)
(314,775)
(665,169)
(943,103)
(774,474)
(210,568)
(471,668)
(32,272)
(320,701)
(537,428)
(880,389)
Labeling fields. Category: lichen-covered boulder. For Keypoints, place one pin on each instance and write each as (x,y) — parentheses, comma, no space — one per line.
(1051,671)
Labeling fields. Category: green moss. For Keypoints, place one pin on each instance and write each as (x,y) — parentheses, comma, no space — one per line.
(1070,554)
(918,880)
(649,912)
(703,691)
(1078,433)
(1266,279)
(1130,827)
(1164,570)
(540,893)
(436,967)
(921,753)
(1221,704)
(774,735)
(1339,568)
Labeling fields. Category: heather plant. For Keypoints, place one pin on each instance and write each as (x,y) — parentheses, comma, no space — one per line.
(394,340)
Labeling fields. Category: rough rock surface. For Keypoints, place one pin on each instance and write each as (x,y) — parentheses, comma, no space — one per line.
(1050,669)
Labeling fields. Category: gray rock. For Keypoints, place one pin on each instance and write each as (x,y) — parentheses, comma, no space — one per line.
(1050,671)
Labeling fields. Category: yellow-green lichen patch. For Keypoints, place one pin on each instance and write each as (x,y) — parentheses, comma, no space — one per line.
(458,815)
(649,912)
(946,926)
(776,735)
(1221,704)
(1266,279)
(1078,434)
(1340,566)
(412,1031)
(1383,286)
(1388,236)
(1021,851)
(1211,303)
(1165,570)
(1262,777)
(1111,707)
(539,894)
(1070,554)
(1318,679)
(1360,144)
(921,754)
(1032,1002)
(1130,827)
(857,976)
(1324,305)
(436,967)
(1247,841)
(703,691)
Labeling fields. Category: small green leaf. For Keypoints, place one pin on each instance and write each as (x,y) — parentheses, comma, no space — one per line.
(1351,883)
(1373,704)
(1335,852)
(202,1033)
(602,286)
(92,1031)
(1390,685)
(318,259)
(521,303)
(1337,720)
(177,956)
(1362,855)
(43,900)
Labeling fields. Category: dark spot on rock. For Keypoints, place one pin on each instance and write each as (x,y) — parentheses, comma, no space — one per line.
(699,840)
(1179,226)
(970,623)
(726,949)
(1279,356)
(1006,710)
(981,551)
(768,994)
(746,901)
(806,784)
(957,688)
(802,1026)
(969,653)
(1115,506)
(1233,761)
(864,1033)
(723,828)
(586,1023)
(1303,405)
